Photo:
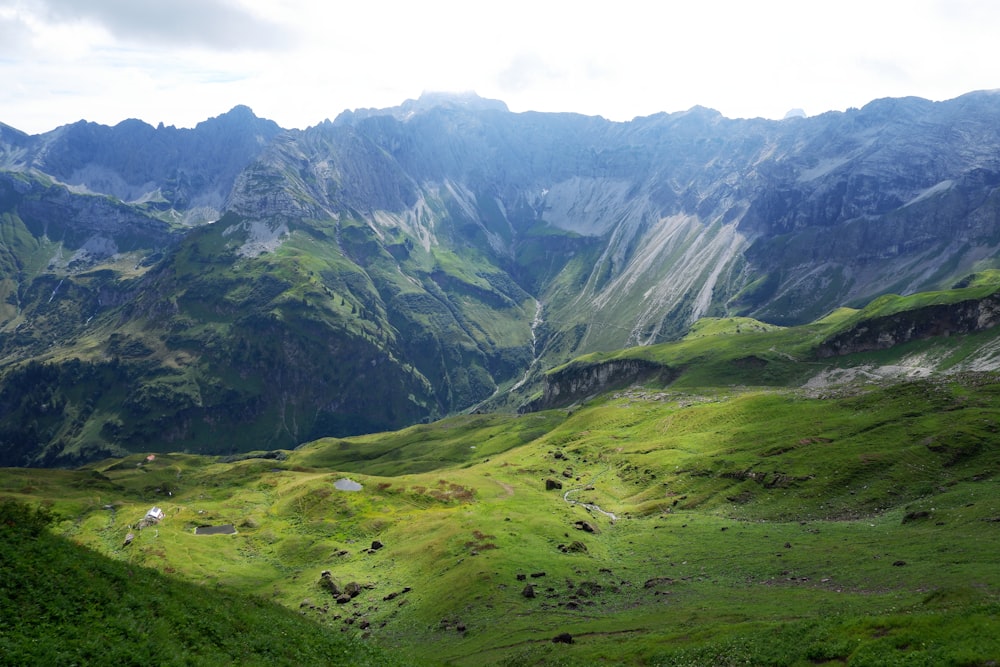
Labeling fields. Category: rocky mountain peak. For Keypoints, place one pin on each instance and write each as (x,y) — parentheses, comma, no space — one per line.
(428,101)
(238,115)
(189,171)
(468,100)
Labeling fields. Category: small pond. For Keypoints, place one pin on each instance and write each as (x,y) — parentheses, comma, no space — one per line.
(227,529)
(346,485)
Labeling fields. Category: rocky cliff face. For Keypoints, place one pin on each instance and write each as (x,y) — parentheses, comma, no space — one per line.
(579,381)
(455,246)
(888,331)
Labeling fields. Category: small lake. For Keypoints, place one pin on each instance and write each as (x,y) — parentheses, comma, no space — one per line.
(227,529)
(346,485)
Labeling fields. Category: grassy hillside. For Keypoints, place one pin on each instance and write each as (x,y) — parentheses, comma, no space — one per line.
(760,526)
(61,603)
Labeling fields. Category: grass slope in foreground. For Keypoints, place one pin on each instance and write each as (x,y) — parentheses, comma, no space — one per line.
(758,526)
(63,604)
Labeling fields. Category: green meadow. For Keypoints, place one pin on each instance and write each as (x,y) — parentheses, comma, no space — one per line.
(709,522)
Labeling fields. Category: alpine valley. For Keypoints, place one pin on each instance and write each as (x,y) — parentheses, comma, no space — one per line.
(446,384)
(238,287)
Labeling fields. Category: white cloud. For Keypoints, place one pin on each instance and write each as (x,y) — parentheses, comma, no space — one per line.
(13,36)
(525,72)
(298,61)
(210,24)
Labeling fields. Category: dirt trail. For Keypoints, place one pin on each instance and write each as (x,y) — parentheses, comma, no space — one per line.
(508,489)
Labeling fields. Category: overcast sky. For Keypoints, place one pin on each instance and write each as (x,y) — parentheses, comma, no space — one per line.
(299,62)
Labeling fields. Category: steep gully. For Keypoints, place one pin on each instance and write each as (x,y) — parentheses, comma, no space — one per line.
(535,323)
(535,357)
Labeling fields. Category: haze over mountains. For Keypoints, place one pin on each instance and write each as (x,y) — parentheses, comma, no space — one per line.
(238,286)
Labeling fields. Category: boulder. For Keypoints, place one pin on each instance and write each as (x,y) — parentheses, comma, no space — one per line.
(396,594)
(657,581)
(327,582)
(576,547)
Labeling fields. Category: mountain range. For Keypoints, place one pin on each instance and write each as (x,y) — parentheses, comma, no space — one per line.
(237,286)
